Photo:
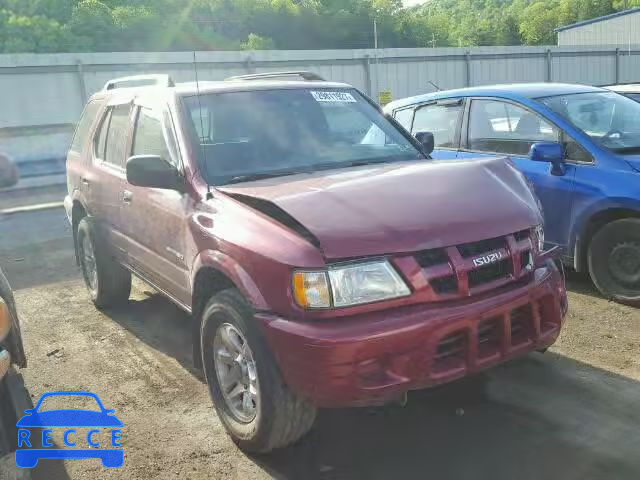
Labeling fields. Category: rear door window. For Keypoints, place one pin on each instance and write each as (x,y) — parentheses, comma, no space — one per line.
(117,136)
(502,127)
(100,139)
(84,126)
(441,120)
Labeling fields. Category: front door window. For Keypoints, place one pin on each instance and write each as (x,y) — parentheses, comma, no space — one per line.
(502,127)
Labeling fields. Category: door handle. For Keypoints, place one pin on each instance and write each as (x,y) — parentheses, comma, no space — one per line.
(127,196)
(85,182)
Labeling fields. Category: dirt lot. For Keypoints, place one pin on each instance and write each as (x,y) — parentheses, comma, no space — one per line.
(571,413)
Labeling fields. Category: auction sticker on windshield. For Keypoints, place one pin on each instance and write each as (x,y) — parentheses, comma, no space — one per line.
(344,97)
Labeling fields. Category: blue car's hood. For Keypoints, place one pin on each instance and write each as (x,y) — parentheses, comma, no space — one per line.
(633,161)
(69,418)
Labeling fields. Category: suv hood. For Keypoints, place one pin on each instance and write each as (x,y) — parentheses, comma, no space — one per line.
(399,207)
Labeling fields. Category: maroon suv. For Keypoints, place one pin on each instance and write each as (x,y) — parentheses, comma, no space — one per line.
(327,259)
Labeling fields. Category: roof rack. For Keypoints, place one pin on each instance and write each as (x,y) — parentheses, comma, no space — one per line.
(161,80)
(307,76)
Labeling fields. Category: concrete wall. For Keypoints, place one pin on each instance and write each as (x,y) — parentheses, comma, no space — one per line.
(620,31)
(41,96)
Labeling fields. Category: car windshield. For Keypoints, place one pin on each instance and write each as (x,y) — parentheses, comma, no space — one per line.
(610,119)
(255,134)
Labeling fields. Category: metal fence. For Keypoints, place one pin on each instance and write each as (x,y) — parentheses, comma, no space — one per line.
(41,96)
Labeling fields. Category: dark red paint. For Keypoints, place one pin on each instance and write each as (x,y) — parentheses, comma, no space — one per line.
(357,355)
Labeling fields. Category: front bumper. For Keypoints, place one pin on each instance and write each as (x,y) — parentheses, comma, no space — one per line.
(371,359)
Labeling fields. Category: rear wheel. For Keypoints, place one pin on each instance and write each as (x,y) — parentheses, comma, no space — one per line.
(108,282)
(614,260)
(257,409)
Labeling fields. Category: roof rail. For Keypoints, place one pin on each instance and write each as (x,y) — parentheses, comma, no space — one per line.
(160,80)
(307,76)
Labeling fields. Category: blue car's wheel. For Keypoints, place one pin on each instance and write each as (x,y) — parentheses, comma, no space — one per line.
(614,260)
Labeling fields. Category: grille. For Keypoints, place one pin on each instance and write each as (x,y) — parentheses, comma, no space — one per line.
(489,273)
(429,258)
(521,235)
(521,324)
(483,246)
(445,285)
(451,346)
(462,349)
(525,260)
(489,337)
(444,281)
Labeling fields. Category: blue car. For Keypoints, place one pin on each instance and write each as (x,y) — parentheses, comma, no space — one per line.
(579,146)
(27,457)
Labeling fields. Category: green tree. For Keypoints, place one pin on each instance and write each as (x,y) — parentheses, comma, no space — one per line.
(31,34)
(538,23)
(92,27)
(113,25)
(256,42)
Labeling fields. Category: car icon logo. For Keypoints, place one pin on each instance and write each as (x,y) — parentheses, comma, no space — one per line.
(28,453)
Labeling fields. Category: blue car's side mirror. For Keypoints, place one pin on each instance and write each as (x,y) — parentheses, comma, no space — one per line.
(549,152)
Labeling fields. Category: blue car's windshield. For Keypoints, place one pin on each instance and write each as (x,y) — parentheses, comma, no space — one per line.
(610,119)
(255,134)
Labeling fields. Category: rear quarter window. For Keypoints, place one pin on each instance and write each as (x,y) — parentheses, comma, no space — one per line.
(84,125)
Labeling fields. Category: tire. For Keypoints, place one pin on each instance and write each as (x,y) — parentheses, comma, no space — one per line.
(281,417)
(110,284)
(614,261)
(14,400)
(8,432)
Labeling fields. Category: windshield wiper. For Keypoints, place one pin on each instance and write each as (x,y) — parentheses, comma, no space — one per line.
(353,163)
(261,176)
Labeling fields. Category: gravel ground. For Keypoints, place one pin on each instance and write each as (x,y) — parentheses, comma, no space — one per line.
(571,413)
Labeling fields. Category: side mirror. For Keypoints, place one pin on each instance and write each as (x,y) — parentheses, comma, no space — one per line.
(154,172)
(426,140)
(549,152)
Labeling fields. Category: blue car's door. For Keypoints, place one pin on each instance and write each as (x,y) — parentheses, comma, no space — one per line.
(443,118)
(497,127)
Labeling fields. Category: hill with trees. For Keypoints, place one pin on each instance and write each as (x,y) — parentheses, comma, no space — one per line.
(165,25)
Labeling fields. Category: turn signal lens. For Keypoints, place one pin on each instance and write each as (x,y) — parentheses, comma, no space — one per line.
(311,289)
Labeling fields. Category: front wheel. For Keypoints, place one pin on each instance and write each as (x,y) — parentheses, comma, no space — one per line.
(614,260)
(257,409)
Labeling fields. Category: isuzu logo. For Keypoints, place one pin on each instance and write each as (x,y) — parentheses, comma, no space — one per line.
(487,259)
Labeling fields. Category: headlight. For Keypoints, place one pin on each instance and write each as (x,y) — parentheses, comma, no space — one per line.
(5,320)
(346,285)
(539,237)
